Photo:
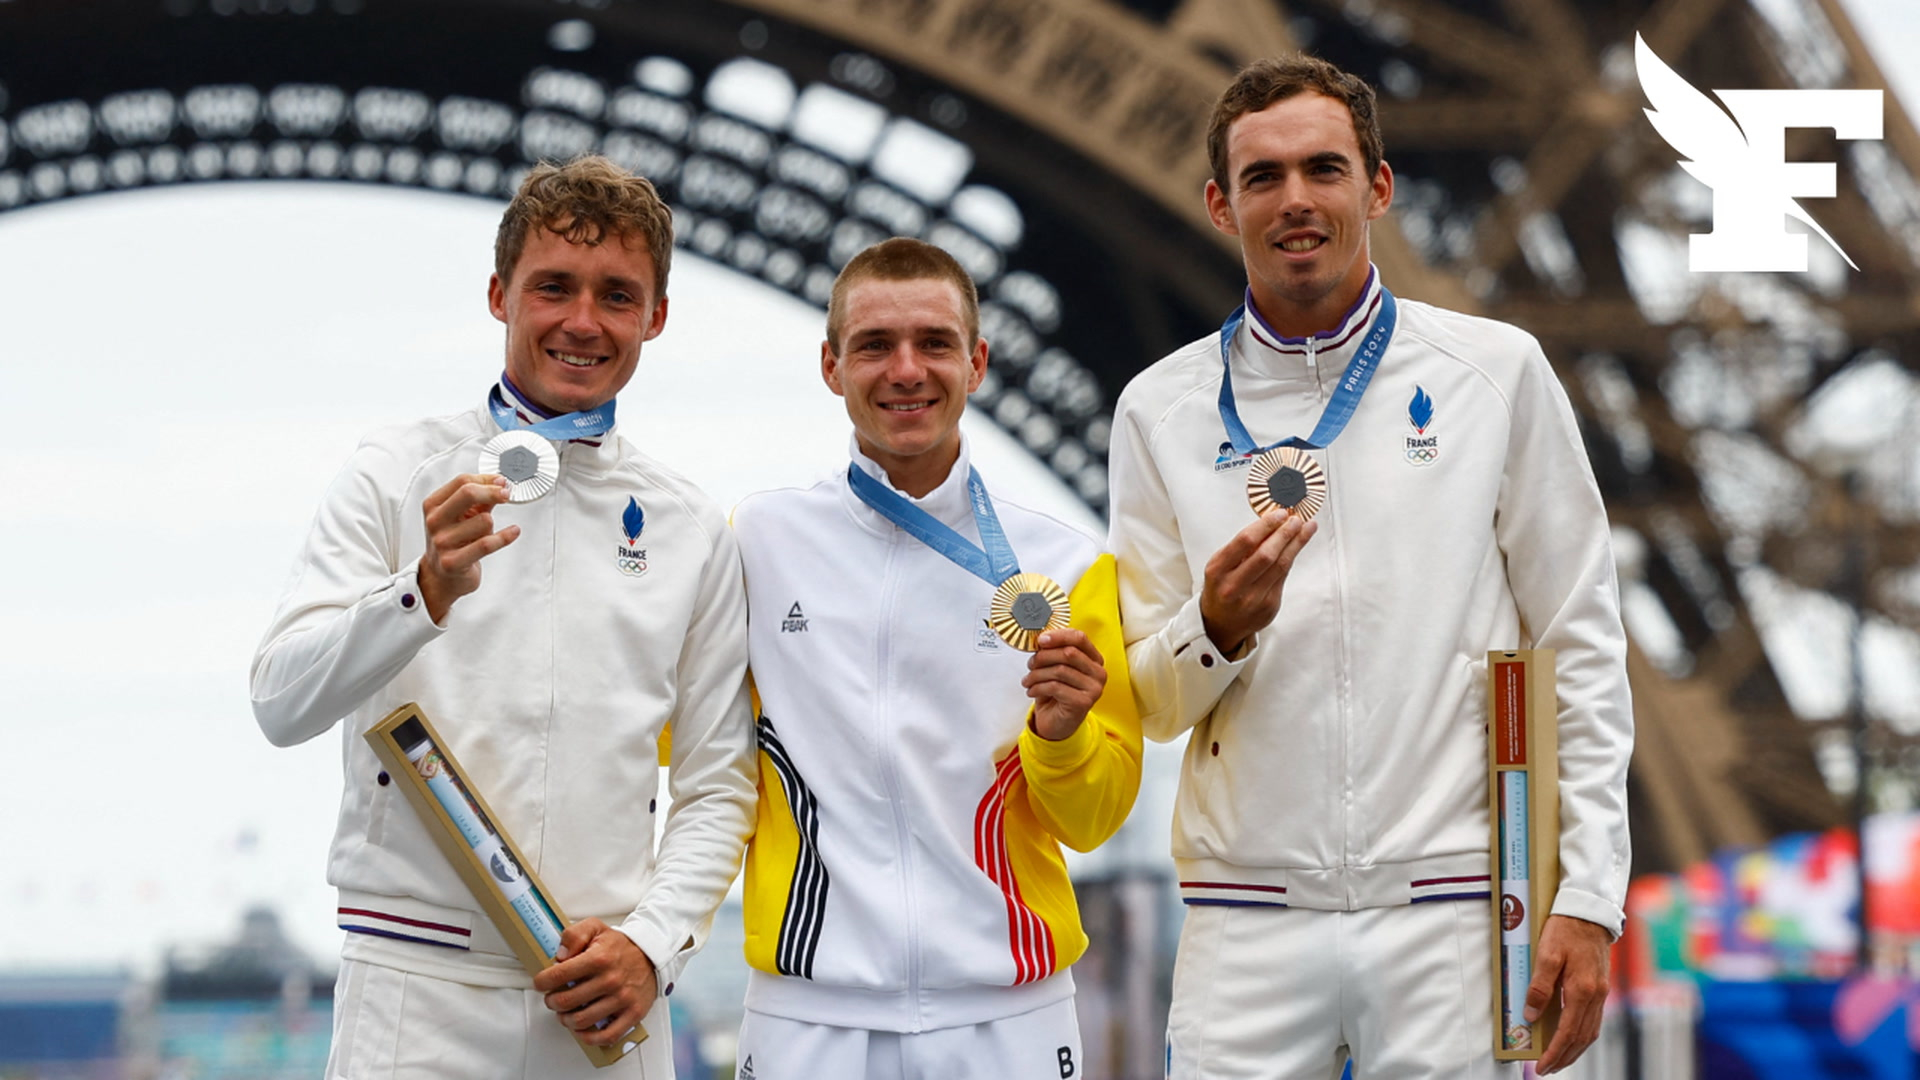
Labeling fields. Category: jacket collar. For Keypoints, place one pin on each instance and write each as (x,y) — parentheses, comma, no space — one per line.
(1273,353)
(594,449)
(949,503)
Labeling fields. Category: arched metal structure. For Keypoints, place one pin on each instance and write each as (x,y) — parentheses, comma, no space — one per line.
(1530,189)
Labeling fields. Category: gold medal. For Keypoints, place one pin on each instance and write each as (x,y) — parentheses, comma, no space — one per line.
(1024,607)
(529,462)
(1288,478)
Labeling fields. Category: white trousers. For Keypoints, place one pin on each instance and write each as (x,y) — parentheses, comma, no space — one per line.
(1267,993)
(1040,1045)
(392,1025)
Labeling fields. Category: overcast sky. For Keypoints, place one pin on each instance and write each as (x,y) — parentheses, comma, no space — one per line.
(188,369)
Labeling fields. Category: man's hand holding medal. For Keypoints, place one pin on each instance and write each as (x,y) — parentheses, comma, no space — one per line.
(459,520)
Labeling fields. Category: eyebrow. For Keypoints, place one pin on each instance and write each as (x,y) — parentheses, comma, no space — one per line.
(568,277)
(1324,157)
(910,331)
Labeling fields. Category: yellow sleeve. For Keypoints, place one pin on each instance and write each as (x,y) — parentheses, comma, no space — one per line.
(1083,786)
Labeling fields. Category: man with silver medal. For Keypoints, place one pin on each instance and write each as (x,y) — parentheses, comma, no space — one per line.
(944,701)
(1311,607)
(553,599)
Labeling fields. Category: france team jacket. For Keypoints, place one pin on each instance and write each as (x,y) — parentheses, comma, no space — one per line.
(619,608)
(906,873)
(1340,762)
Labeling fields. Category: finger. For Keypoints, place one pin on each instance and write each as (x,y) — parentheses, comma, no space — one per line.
(1266,564)
(445,491)
(570,997)
(463,557)
(1580,1019)
(564,977)
(479,492)
(575,939)
(459,532)
(1069,639)
(1576,1031)
(1060,683)
(1545,981)
(1245,542)
(600,1007)
(1047,659)
(618,1028)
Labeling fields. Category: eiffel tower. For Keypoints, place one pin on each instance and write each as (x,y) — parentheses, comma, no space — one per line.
(1068,136)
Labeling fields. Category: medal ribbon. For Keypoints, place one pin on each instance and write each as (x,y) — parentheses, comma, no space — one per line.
(574,425)
(1346,396)
(993,564)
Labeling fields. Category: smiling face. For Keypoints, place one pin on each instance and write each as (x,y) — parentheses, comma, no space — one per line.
(905,364)
(1300,202)
(576,317)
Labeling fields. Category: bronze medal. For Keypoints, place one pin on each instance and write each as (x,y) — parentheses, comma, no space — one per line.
(1288,478)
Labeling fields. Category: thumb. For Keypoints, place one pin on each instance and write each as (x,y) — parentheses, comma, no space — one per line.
(574,940)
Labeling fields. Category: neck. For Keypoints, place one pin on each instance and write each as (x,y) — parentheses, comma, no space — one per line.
(517,396)
(1304,319)
(917,474)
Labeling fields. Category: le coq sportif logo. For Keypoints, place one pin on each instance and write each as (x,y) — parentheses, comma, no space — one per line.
(1741,153)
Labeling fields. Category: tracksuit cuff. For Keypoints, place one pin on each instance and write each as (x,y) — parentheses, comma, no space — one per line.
(1059,755)
(660,947)
(1580,904)
(1193,648)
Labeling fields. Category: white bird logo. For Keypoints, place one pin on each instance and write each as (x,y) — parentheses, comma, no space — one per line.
(1716,150)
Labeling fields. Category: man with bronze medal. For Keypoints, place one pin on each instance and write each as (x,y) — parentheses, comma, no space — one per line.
(1325,515)
(943,701)
(553,599)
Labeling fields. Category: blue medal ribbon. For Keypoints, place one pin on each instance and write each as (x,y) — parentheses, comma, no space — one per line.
(589,424)
(993,563)
(1346,396)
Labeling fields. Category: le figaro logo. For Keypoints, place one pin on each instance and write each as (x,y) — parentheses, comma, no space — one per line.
(632,558)
(1741,153)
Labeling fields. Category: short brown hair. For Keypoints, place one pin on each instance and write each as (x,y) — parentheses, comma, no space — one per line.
(1277,78)
(902,259)
(586,200)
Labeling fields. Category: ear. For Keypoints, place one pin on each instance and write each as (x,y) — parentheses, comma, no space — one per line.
(830,369)
(979,365)
(658,322)
(1220,211)
(497,297)
(1382,194)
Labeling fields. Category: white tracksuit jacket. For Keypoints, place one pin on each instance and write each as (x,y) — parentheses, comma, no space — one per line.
(1340,761)
(551,684)
(906,874)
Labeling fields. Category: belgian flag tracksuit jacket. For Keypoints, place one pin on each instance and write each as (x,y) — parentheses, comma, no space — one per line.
(906,872)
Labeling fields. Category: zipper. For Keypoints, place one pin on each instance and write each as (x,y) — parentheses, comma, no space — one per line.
(1343,705)
(901,833)
(553,663)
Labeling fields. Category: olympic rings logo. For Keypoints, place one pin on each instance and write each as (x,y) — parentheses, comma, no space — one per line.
(1423,455)
(632,567)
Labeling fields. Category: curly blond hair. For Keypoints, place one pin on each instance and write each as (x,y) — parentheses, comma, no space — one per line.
(586,200)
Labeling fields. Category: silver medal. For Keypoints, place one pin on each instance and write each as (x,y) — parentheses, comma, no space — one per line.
(530,464)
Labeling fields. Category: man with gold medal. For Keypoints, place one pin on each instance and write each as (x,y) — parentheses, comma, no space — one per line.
(943,701)
(1422,497)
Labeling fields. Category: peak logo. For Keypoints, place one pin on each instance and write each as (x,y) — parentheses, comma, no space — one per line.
(1741,153)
